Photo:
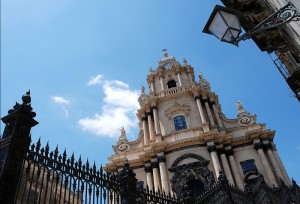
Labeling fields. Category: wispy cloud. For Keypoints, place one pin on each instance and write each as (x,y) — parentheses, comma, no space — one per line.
(119,108)
(60,100)
(63,102)
(95,80)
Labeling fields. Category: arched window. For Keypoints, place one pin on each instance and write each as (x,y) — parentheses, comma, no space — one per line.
(195,187)
(179,123)
(171,84)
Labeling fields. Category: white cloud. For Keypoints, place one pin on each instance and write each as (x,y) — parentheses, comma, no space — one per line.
(95,80)
(60,100)
(63,102)
(119,108)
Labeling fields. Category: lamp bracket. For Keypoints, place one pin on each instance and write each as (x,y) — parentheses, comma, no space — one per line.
(284,15)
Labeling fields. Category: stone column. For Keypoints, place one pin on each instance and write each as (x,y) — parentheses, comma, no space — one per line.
(163,173)
(156,123)
(214,157)
(145,130)
(190,76)
(267,168)
(156,179)
(211,120)
(226,166)
(237,177)
(152,86)
(148,170)
(150,126)
(179,78)
(279,162)
(201,112)
(216,114)
(161,81)
(278,173)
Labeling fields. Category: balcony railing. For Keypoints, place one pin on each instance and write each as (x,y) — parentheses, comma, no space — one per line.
(175,90)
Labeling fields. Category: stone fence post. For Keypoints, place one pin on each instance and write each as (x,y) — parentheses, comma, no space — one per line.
(14,145)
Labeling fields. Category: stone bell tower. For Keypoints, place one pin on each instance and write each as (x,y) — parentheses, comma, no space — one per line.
(185,140)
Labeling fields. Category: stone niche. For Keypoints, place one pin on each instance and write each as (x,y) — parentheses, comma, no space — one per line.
(192,176)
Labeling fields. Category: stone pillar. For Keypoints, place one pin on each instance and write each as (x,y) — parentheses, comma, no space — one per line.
(179,78)
(190,76)
(202,116)
(216,114)
(14,146)
(148,170)
(226,167)
(161,81)
(278,173)
(156,179)
(163,172)
(214,157)
(152,89)
(282,168)
(267,168)
(211,120)
(156,123)
(150,126)
(145,130)
(237,177)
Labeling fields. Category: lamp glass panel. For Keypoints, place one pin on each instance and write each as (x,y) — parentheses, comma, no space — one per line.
(231,35)
(218,27)
(231,20)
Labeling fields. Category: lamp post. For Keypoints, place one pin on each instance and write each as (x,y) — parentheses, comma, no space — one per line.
(224,23)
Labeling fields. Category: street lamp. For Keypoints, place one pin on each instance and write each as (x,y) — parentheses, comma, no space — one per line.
(224,23)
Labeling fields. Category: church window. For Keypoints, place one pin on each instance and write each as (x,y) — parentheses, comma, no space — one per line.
(179,123)
(248,165)
(171,84)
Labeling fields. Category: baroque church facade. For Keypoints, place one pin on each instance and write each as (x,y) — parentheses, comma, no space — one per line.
(185,140)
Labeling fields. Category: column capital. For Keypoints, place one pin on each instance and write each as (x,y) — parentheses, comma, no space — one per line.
(211,148)
(197,97)
(229,152)
(268,146)
(258,146)
(148,113)
(205,100)
(161,159)
(221,151)
(148,169)
(144,118)
(154,165)
(154,107)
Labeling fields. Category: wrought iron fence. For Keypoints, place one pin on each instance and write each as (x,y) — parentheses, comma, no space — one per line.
(50,177)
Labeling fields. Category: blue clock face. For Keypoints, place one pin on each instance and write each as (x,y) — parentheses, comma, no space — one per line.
(168,65)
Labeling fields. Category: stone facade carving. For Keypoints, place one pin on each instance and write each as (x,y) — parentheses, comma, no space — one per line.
(190,175)
(122,144)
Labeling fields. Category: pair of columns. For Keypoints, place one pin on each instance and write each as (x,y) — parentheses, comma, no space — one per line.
(226,167)
(157,174)
(205,100)
(148,129)
(276,165)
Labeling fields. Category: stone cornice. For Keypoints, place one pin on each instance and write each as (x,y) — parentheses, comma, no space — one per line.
(145,153)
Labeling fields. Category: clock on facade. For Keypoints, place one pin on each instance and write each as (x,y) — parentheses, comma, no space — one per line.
(168,65)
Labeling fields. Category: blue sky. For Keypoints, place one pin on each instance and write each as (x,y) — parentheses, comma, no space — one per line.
(82,59)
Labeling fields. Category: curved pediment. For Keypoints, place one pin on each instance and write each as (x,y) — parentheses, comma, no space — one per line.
(176,107)
(187,156)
